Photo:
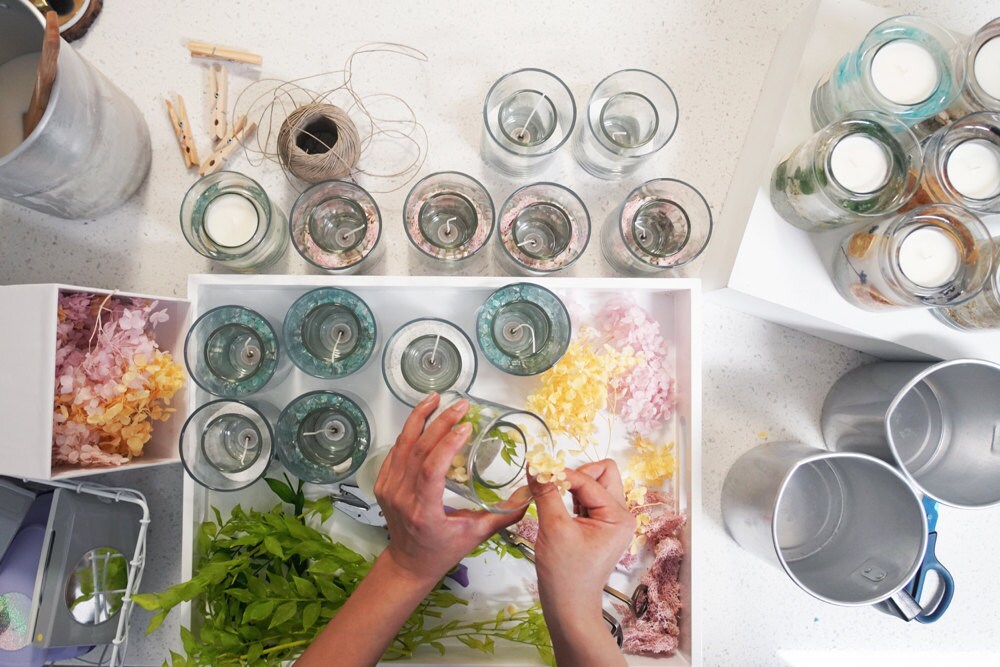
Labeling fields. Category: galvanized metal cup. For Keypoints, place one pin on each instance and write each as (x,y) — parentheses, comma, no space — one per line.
(847,528)
(938,423)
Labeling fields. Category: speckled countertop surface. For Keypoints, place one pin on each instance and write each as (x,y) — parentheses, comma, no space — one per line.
(761,381)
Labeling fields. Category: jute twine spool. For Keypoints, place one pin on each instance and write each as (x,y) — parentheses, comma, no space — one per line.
(318,142)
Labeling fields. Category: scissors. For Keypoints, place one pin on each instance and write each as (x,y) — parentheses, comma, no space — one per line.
(638,603)
(932,564)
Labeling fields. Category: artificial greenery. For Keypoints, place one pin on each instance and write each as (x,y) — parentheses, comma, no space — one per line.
(267,584)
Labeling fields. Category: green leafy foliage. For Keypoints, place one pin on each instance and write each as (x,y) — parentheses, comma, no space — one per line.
(267,584)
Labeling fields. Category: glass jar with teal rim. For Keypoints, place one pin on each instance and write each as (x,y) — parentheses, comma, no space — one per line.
(490,469)
(330,333)
(226,445)
(231,351)
(903,67)
(864,166)
(523,329)
(228,218)
(336,227)
(323,436)
(428,355)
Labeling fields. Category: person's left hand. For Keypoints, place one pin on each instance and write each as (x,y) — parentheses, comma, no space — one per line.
(425,541)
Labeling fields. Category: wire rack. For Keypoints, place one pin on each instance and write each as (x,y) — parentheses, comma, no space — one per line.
(136,565)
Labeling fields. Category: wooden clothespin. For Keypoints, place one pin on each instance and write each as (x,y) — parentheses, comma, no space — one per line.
(182,128)
(237,135)
(219,88)
(207,50)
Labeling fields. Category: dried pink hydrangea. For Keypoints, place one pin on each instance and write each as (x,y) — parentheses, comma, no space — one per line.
(644,397)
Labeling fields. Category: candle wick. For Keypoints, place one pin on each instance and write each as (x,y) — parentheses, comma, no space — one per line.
(246,448)
(336,343)
(528,242)
(247,349)
(447,226)
(349,234)
(642,230)
(525,325)
(437,340)
(520,133)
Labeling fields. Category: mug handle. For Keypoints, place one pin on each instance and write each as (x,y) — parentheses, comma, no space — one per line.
(903,605)
(932,564)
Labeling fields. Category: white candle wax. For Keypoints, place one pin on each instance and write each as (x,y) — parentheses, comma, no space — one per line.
(928,257)
(904,72)
(987,67)
(859,163)
(17,82)
(231,220)
(974,169)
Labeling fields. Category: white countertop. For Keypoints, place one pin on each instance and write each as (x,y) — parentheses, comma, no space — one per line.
(762,382)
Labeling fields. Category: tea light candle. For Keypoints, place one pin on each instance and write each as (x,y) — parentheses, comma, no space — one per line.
(987,67)
(974,169)
(904,72)
(231,220)
(528,118)
(928,257)
(542,230)
(523,329)
(859,163)
(428,355)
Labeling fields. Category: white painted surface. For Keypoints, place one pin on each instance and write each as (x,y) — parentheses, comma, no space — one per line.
(974,169)
(905,72)
(859,163)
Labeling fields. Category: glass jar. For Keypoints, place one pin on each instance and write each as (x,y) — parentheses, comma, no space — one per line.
(428,355)
(981,58)
(527,116)
(631,115)
(228,218)
(864,166)
(663,224)
(982,312)
(902,67)
(523,329)
(226,445)
(336,227)
(323,436)
(544,227)
(490,469)
(962,165)
(231,351)
(936,255)
(330,333)
(448,218)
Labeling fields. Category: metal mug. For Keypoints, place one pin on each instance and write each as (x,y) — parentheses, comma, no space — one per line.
(90,151)
(938,423)
(847,528)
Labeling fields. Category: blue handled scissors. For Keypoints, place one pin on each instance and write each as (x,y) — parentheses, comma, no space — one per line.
(932,564)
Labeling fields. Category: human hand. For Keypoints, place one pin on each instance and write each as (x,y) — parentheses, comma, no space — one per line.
(575,555)
(425,541)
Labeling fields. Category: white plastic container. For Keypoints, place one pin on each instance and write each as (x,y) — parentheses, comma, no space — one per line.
(395,300)
(762,265)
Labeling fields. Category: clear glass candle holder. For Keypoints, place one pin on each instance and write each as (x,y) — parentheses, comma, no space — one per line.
(544,227)
(523,329)
(323,437)
(226,445)
(662,225)
(428,355)
(981,58)
(448,217)
(936,255)
(228,218)
(962,165)
(631,115)
(231,351)
(527,116)
(981,312)
(864,166)
(336,227)
(902,67)
(490,469)
(330,333)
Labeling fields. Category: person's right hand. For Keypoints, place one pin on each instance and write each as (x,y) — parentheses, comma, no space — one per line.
(575,555)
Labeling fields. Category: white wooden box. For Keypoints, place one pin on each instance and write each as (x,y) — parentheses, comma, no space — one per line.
(27,382)
(396,300)
(762,265)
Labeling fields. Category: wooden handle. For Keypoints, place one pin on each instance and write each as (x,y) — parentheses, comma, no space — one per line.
(48,64)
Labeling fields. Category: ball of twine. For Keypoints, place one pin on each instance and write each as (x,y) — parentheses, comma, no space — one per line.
(318,142)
